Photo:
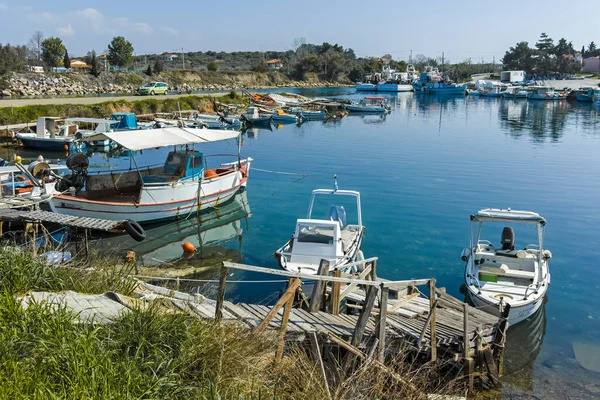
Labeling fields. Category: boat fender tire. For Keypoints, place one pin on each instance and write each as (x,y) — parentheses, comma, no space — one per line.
(134,230)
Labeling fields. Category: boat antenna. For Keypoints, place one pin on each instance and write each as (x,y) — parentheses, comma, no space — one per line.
(335,185)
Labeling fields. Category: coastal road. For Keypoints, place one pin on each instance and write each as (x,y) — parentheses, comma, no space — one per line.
(8,102)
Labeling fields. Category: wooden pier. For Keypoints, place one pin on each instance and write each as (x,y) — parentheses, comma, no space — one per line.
(39,216)
(439,327)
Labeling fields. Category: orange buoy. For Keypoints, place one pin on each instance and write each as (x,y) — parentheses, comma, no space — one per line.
(66,147)
(130,256)
(188,247)
(209,173)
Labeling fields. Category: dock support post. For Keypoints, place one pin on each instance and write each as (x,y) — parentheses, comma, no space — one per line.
(318,359)
(500,339)
(293,285)
(432,328)
(317,293)
(361,324)
(335,293)
(221,293)
(468,368)
(374,270)
(287,297)
(383,305)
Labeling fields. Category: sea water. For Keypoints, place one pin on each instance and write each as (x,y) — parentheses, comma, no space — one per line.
(421,171)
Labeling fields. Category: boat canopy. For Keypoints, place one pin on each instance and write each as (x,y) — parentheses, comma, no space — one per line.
(500,215)
(152,138)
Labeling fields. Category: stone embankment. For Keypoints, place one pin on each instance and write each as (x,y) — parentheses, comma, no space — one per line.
(81,84)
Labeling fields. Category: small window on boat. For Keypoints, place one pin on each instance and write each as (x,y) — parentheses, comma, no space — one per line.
(312,233)
(197,162)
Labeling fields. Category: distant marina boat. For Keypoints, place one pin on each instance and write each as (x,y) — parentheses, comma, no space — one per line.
(366,87)
(183,185)
(394,86)
(587,95)
(495,277)
(253,116)
(370,104)
(333,239)
(431,81)
(282,116)
(50,136)
(545,93)
(307,114)
(515,92)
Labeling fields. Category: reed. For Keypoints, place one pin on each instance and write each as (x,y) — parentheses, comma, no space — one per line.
(153,353)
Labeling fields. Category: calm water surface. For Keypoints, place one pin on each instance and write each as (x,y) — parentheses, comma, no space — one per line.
(421,171)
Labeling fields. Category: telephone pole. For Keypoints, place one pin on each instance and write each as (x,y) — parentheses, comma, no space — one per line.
(182,59)
(410,58)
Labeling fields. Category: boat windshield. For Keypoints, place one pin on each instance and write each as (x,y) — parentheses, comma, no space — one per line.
(315,233)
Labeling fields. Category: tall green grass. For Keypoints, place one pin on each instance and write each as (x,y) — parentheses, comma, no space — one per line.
(153,352)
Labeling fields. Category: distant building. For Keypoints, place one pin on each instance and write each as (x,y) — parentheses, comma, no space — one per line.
(275,64)
(104,60)
(578,57)
(35,68)
(79,65)
(512,76)
(591,64)
(169,56)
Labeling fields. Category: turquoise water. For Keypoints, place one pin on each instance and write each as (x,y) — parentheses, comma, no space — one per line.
(421,171)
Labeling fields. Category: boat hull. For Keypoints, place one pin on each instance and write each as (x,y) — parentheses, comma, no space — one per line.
(394,87)
(56,144)
(366,87)
(536,96)
(454,90)
(157,203)
(516,314)
(359,109)
(584,98)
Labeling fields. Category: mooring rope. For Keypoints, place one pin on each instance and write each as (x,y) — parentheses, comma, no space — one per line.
(279,172)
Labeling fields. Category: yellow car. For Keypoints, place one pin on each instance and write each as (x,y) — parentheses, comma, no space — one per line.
(153,88)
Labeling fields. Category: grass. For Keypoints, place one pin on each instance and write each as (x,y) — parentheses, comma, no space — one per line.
(150,353)
(17,115)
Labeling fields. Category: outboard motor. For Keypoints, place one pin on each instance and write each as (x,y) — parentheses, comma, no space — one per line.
(78,163)
(508,238)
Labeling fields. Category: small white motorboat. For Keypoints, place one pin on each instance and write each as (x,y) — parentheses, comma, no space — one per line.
(253,116)
(332,239)
(495,277)
(370,104)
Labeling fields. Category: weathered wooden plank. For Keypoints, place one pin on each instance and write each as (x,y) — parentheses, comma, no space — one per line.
(221,293)
(381,326)
(242,314)
(293,285)
(364,315)
(284,325)
(316,297)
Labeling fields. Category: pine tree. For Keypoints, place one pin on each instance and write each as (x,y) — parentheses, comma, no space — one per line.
(158,67)
(66,60)
(149,70)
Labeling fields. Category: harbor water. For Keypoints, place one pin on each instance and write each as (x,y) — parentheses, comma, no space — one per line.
(421,171)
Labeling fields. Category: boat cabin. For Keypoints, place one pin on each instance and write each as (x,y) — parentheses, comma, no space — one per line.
(126,121)
(332,239)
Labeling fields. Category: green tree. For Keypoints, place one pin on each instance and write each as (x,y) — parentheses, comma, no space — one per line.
(12,58)
(592,50)
(149,70)
(213,66)
(260,66)
(53,51)
(120,52)
(66,60)
(92,60)
(158,66)
(545,59)
(519,57)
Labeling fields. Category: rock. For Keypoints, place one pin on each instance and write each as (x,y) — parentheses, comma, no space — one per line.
(6,93)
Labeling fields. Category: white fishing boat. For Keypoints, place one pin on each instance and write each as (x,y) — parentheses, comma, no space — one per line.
(546,93)
(515,92)
(366,87)
(181,186)
(51,133)
(332,239)
(495,277)
(35,181)
(253,116)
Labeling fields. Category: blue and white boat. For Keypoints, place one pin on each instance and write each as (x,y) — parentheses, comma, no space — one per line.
(431,81)
(370,104)
(308,115)
(394,86)
(588,95)
(492,92)
(282,116)
(252,116)
(366,87)
(515,92)
(50,136)
(546,93)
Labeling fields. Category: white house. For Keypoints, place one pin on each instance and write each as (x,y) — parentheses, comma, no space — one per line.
(512,76)
(275,64)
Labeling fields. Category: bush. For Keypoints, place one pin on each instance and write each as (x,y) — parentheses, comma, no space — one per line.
(213,66)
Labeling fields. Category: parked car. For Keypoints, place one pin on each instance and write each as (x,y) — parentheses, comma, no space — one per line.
(153,88)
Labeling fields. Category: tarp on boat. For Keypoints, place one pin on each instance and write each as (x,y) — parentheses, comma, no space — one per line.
(500,215)
(151,138)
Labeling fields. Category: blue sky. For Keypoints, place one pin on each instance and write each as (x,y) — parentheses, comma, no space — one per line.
(461,29)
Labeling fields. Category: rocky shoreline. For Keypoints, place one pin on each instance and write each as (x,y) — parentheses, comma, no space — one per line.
(32,85)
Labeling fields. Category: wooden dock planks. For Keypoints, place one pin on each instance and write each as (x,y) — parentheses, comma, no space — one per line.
(61,219)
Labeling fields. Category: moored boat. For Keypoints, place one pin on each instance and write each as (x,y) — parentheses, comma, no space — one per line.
(430,81)
(495,277)
(183,185)
(253,116)
(546,93)
(366,87)
(332,239)
(370,104)
(50,136)
(282,116)
(515,92)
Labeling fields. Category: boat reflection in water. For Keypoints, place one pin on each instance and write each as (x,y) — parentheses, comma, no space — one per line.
(208,232)
(523,343)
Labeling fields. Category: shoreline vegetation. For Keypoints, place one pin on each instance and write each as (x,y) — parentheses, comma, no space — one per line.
(152,353)
(105,107)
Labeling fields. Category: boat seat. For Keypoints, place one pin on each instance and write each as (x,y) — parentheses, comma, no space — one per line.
(504,270)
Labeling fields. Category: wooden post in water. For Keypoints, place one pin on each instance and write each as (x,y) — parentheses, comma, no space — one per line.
(500,339)
(221,293)
(317,293)
(468,368)
(335,293)
(292,286)
(383,306)
(432,328)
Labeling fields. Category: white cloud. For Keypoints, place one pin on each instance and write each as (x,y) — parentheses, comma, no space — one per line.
(170,31)
(65,30)
(3,6)
(94,18)
(142,27)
